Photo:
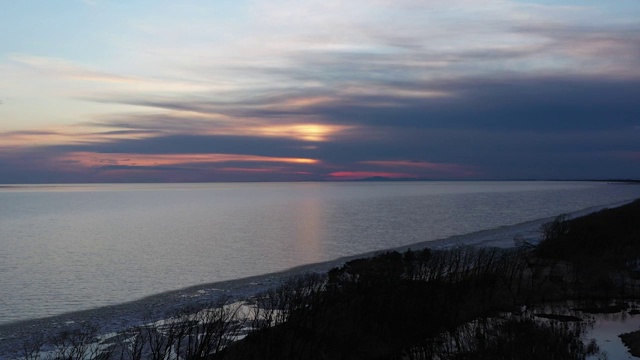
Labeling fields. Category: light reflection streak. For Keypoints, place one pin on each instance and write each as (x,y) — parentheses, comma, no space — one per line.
(310,226)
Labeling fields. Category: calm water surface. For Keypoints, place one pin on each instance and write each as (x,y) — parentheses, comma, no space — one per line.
(67,248)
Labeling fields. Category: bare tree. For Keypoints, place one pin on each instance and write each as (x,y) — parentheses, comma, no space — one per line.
(77,344)
(31,348)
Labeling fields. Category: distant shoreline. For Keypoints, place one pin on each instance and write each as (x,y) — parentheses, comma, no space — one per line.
(371,179)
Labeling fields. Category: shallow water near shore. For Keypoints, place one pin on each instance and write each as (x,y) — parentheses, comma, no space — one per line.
(603,327)
(606,331)
(82,247)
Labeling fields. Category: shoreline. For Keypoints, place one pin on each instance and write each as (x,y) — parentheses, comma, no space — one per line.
(155,307)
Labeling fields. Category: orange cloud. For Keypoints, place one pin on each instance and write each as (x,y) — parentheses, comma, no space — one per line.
(90,159)
(305,101)
(66,135)
(248,170)
(306,132)
(36,137)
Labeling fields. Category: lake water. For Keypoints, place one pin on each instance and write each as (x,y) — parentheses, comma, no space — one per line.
(74,247)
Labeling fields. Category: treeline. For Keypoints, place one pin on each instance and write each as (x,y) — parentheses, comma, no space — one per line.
(415,305)
(426,304)
(191,333)
(610,236)
(601,251)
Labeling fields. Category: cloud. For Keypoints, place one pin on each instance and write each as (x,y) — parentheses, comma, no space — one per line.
(405,88)
(127,132)
(143,168)
(491,127)
(69,71)
(543,103)
(66,69)
(189,144)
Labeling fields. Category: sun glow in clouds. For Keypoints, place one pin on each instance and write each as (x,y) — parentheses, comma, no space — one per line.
(101,159)
(331,88)
(306,132)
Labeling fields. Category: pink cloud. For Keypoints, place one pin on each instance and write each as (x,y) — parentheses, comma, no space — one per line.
(354,175)
(425,168)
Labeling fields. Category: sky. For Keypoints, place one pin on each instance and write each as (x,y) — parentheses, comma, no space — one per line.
(289,90)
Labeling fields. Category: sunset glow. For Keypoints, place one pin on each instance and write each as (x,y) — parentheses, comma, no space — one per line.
(96,91)
(354,175)
(99,159)
(306,132)
(450,169)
